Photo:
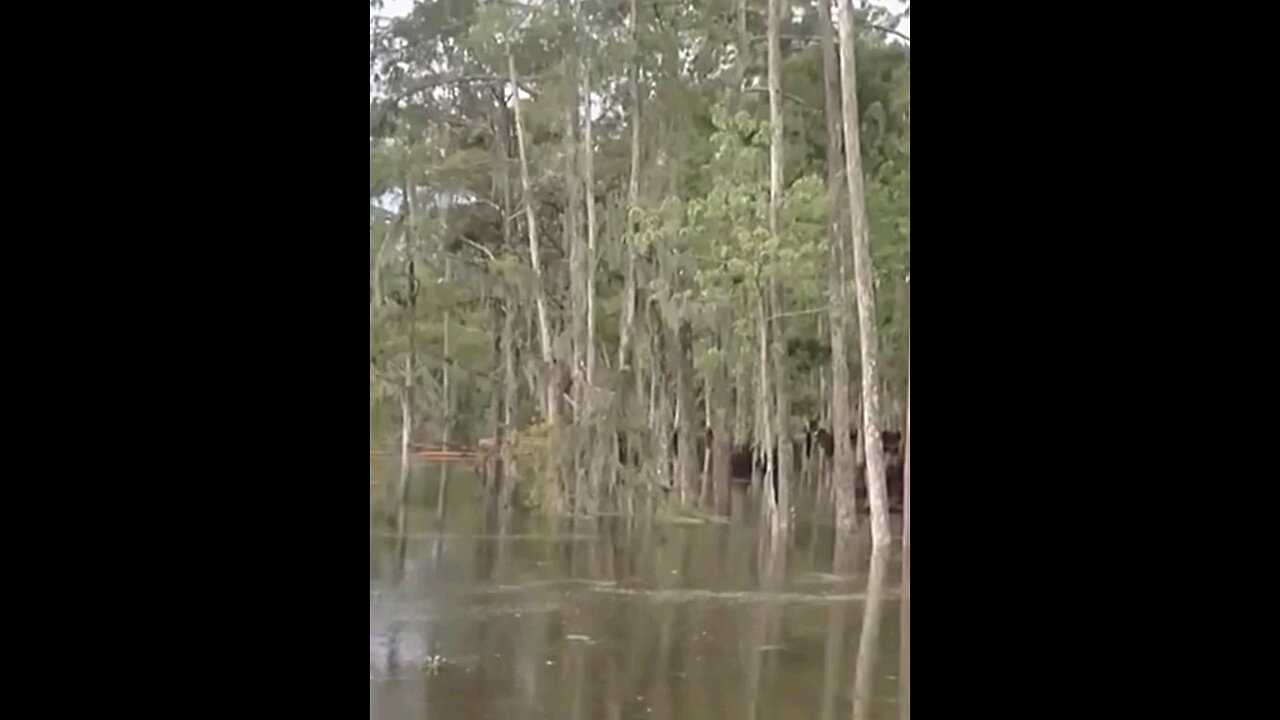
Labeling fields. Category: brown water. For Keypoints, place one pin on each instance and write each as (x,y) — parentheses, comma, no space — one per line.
(619,618)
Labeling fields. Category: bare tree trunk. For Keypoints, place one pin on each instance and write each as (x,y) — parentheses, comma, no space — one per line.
(782,420)
(844,466)
(906,463)
(682,349)
(742,402)
(552,396)
(743,54)
(448,397)
(661,423)
(596,448)
(379,294)
(577,280)
(573,237)
(864,275)
(633,200)
(588,171)
(769,504)
(406,395)
(406,423)
(630,400)
(718,401)
(508,404)
(506,340)
(506,421)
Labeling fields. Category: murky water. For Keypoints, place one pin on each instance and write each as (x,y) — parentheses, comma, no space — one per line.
(618,618)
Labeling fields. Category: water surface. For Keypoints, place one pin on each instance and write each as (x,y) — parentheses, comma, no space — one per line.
(624,618)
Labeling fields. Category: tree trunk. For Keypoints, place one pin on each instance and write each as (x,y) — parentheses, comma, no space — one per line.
(406,422)
(588,171)
(743,56)
(506,476)
(448,404)
(630,400)
(686,467)
(573,237)
(764,411)
(406,395)
(551,392)
(718,400)
(507,489)
(844,467)
(864,275)
(906,462)
(576,460)
(782,418)
(633,200)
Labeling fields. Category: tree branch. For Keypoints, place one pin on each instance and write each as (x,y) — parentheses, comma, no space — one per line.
(439,80)
(889,30)
(793,313)
(478,246)
(787,95)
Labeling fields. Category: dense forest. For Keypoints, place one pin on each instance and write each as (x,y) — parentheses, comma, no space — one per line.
(642,250)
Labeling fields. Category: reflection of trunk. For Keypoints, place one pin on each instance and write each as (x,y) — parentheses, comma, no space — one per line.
(831,659)
(764,615)
(843,477)
(904,650)
(551,409)
(613,690)
(845,559)
(869,643)
(864,274)
(529,648)
(579,686)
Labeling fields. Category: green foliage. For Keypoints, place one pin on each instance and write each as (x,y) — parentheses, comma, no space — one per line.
(535,453)
(703,243)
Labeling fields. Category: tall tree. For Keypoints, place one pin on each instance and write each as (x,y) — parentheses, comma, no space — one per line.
(551,408)
(782,409)
(844,467)
(864,282)
(906,465)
